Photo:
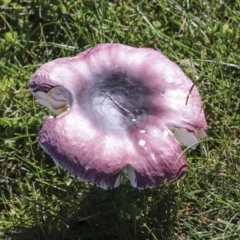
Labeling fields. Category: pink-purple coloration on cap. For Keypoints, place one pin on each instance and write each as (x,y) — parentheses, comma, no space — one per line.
(120,109)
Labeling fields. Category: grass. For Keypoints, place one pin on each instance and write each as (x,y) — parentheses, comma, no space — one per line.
(40,201)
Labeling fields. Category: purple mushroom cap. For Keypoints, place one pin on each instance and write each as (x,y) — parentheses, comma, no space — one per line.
(121,111)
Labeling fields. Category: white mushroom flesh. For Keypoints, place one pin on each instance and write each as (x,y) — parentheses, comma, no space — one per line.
(56,100)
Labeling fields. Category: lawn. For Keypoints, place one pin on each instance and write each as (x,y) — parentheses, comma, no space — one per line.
(38,200)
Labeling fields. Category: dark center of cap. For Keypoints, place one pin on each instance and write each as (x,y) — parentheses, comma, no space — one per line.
(117,102)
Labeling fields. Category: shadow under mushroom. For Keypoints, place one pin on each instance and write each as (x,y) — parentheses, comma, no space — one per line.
(122,213)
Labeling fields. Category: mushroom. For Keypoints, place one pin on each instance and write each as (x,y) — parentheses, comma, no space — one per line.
(121,112)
